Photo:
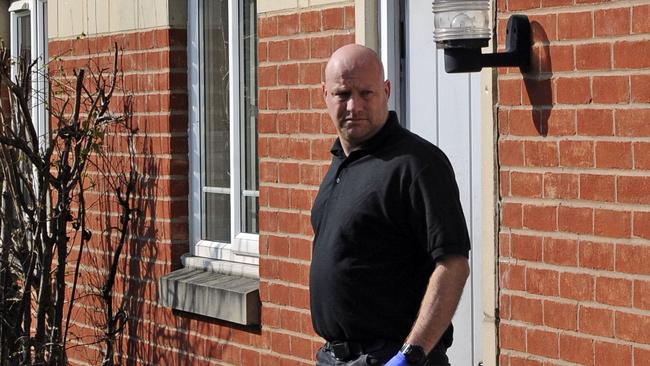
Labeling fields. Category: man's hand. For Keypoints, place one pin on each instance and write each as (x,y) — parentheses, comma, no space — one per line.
(398,360)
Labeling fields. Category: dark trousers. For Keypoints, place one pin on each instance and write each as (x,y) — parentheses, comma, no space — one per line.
(376,355)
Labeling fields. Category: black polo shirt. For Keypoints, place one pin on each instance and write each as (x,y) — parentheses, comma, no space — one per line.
(382,217)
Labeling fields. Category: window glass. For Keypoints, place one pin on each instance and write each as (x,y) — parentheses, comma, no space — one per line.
(215,133)
(217,154)
(250,191)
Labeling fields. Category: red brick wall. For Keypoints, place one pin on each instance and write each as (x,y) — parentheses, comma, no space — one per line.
(574,240)
(295,135)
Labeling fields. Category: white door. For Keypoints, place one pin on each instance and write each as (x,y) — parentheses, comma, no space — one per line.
(443,108)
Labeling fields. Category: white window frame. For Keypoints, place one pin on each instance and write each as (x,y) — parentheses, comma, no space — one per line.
(37,12)
(241,255)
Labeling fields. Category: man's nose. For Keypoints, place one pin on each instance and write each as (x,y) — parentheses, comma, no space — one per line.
(354,103)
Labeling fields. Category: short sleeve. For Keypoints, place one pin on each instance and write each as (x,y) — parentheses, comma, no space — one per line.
(437,218)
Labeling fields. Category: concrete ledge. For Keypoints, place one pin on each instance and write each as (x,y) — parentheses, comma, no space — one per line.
(232,298)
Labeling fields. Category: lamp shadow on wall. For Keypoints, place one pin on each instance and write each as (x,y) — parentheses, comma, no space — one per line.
(538,79)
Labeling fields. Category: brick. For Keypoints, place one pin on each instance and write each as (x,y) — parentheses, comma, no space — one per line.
(633,189)
(542,281)
(512,276)
(288,173)
(563,252)
(277,99)
(576,349)
(310,73)
(596,321)
(632,259)
(509,91)
(633,327)
(542,343)
(540,217)
(526,310)
(612,22)
(317,100)
(552,3)
(526,247)
(633,122)
(511,153)
(631,54)
(333,18)
(561,58)
(642,294)
(310,22)
(611,223)
(640,88)
(615,155)
(511,215)
(574,25)
(561,122)
(607,353)
(522,123)
(577,154)
(573,90)
(541,153)
(299,49)
(278,51)
(596,255)
(267,76)
(288,74)
(287,24)
(504,244)
(576,286)
(560,315)
(642,155)
(512,337)
(558,185)
(504,307)
(641,356)
(614,291)
(641,227)
(577,220)
(544,27)
(593,56)
(526,184)
(288,123)
(611,89)
(595,122)
(641,19)
(597,187)
(321,47)
(523,5)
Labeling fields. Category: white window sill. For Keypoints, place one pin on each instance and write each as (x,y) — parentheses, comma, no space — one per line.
(214,288)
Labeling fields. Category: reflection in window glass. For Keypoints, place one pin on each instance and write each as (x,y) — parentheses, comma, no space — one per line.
(216,119)
(250,191)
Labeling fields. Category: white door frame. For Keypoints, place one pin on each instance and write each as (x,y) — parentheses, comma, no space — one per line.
(472,158)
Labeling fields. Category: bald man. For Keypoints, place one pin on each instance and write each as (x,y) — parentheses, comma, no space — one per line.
(390,251)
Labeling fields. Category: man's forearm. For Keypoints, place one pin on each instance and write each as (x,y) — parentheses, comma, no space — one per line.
(440,301)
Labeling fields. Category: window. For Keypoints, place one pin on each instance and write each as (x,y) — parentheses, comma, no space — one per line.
(223,137)
(28,43)
(223,266)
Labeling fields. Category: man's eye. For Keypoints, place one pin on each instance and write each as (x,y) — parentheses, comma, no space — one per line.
(366,93)
(343,95)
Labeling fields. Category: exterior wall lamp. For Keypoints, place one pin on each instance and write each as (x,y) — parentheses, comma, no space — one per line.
(461,28)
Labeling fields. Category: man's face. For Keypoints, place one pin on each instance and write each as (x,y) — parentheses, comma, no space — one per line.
(357,101)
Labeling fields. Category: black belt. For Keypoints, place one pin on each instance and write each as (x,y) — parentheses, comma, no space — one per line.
(347,350)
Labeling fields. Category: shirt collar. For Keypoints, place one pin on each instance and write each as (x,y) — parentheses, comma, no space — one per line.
(375,142)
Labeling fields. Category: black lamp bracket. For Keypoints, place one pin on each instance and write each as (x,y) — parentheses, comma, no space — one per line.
(517,52)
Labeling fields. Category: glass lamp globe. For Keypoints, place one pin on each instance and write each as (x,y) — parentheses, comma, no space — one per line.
(461,23)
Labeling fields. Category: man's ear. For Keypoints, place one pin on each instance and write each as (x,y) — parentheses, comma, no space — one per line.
(324,89)
(387,88)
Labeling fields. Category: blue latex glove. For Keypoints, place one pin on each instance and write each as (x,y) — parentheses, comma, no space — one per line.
(398,360)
